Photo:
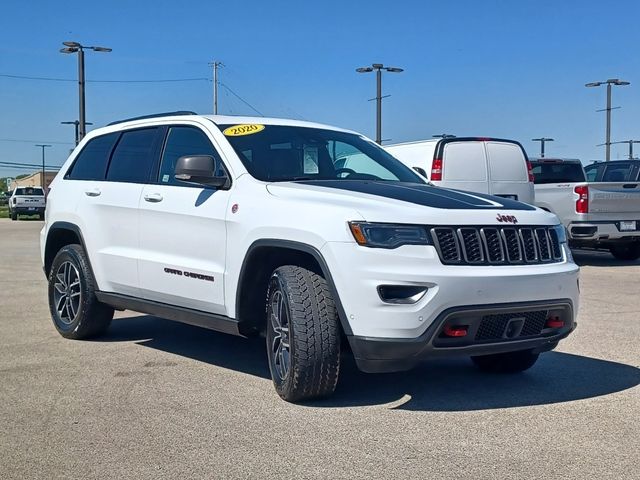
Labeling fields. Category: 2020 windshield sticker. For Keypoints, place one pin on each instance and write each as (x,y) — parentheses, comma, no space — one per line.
(245,129)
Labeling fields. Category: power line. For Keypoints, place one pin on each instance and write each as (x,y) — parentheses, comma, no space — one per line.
(31,141)
(52,79)
(242,100)
(16,164)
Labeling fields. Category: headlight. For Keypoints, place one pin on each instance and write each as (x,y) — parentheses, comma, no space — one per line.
(560,232)
(389,235)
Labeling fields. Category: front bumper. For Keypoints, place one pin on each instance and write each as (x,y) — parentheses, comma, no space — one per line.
(488,333)
(357,272)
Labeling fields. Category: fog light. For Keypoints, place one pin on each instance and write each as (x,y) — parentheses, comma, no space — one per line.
(401,294)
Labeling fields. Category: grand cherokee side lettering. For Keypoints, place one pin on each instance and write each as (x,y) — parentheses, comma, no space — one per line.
(184,273)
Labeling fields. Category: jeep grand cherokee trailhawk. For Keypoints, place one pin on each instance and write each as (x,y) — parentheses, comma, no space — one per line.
(310,235)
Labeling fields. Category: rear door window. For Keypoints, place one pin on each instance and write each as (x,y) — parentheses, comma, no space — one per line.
(91,163)
(133,156)
(617,172)
(506,162)
(464,161)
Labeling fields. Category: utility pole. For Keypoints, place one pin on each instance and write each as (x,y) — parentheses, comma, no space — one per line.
(216,66)
(542,141)
(43,147)
(611,81)
(630,142)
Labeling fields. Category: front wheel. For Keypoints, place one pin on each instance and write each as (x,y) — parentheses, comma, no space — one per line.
(628,251)
(75,310)
(510,362)
(303,334)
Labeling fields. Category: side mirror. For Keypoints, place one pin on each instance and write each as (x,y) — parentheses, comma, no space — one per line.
(421,171)
(201,169)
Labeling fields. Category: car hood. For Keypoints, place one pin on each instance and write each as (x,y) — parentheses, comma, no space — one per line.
(381,201)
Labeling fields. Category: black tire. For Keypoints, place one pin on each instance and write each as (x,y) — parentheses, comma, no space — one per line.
(14,216)
(75,310)
(299,301)
(627,251)
(41,216)
(510,362)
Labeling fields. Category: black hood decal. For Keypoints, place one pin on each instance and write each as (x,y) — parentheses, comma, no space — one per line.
(426,195)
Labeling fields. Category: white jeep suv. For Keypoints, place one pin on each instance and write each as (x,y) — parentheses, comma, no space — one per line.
(254,226)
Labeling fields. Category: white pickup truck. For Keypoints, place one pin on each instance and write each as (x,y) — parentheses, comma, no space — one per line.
(603,215)
(27,201)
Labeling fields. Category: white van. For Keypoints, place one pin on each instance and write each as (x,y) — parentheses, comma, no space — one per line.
(485,165)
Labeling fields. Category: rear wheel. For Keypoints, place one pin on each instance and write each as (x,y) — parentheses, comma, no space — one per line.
(75,310)
(14,216)
(628,251)
(510,362)
(303,334)
(41,216)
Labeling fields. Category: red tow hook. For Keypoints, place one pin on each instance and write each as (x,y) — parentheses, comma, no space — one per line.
(554,322)
(455,330)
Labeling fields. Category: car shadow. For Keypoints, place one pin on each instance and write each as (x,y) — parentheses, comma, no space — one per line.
(600,258)
(450,385)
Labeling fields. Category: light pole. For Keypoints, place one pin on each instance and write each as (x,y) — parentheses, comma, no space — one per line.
(43,147)
(611,81)
(443,135)
(378,68)
(630,142)
(542,141)
(76,123)
(75,47)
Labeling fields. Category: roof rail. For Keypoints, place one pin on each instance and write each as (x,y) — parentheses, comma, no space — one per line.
(154,115)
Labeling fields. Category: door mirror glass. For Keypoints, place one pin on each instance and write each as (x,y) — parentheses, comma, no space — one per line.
(201,169)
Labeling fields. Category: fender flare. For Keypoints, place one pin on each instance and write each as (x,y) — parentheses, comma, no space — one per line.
(302,247)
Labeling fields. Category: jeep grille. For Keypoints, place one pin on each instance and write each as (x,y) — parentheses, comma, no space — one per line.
(496,245)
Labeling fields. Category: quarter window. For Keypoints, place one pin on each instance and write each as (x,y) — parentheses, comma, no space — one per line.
(133,157)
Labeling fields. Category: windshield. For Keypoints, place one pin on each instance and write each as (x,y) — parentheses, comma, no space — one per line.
(29,191)
(557,173)
(276,153)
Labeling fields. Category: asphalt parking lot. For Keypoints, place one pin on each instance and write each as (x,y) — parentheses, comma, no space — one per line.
(156,399)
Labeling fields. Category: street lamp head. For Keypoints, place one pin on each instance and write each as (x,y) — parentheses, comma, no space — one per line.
(622,82)
(69,50)
(364,69)
(100,49)
(593,84)
(72,44)
(394,69)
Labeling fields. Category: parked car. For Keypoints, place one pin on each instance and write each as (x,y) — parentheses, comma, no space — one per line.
(485,165)
(604,215)
(27,201)
(255,226)
(613,171)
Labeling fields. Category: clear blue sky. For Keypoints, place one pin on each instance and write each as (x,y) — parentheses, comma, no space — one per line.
(512,69)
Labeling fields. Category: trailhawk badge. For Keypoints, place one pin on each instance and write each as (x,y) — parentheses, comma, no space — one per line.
(507,218)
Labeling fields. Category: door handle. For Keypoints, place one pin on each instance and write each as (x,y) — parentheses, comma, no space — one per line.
(153,198)
(95,192)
